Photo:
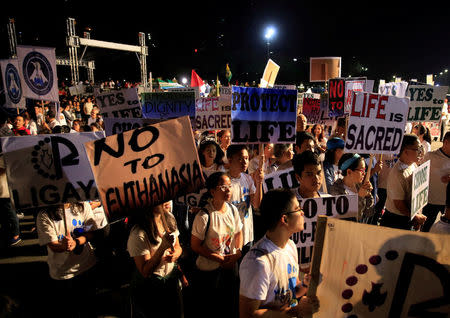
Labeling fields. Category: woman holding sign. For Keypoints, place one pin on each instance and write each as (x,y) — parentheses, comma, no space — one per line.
(353,169)
(211,157)
(217,239)
(154,246)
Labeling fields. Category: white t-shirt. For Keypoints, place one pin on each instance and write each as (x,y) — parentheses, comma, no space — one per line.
(269,273)
(440,166)
(213,168)
(442,226)
(241,189)
(66,265)
(220,236)
(399,185)
(138,245)
(62,120)
(426,146)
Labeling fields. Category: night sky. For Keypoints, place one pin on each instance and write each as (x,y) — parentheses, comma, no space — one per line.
(388,39)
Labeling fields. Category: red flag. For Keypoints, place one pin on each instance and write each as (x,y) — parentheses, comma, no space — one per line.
(196,80)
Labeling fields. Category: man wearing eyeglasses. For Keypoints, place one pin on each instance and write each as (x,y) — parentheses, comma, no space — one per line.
(399,188)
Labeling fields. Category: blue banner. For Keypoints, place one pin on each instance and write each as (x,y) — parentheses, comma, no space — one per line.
(263,115)
(166,105)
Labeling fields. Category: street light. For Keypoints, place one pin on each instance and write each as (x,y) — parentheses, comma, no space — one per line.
(270,32)
(184,80)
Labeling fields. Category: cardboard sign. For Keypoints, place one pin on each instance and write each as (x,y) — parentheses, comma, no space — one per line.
(395,89)
(46,170)
(168,105)
(12,84)
(260,115)
(376,123)
(115,126)
(144,167)
(336,96)
(420,182)
(426,102)
(374,271)
(342,206)
(357,85)
(270,74)
(324,68)
(311,109)
(123,103)
(213,113)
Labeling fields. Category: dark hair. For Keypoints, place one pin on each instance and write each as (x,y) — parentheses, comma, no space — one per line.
(305,158)
(408,140)
(211,182)
(274,204)
(234,149)
(321,135)
(280,149)
(51,114)
(352,166)
(341,122)
(425,131)
(447,136)
(219,152)
(302,136)
(144,218)
(220,133)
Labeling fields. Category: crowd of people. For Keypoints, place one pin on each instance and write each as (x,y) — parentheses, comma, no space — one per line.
(231,255)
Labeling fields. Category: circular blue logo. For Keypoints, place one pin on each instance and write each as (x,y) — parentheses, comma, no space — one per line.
(38,73)
(13,87)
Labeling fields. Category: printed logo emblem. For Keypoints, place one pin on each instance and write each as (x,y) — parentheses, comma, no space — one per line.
(38,73)
(13,87)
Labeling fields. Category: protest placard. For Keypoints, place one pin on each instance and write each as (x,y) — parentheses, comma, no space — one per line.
(324,68)
(426,102)
(393,88)
(420,182)
(376,123)
(281,86)
(270,74)
(12,84)
(336,96)
(260,115)
(311,109)
(280,179)
(372,271)
(354,84)
(167,105)
(123,103)
(118,125)
(342,206)
(213,113)
(46,170)
(151,165)
(37,69)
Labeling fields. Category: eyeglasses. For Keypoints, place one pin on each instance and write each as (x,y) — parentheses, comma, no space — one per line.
(225,187)
(414,149)
(295,211)
(363,171)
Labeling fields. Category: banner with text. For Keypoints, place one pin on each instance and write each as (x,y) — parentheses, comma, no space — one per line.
(261,115)
(46,170)
(12,84)
(357,85)
(376,123)
(151,165)
(336,97)
(212,113)
(426,102)
(374,271)
(168,105)
(115,126)
(420,182)
(393,88)
(37,69)
(123,103)
(342,206)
